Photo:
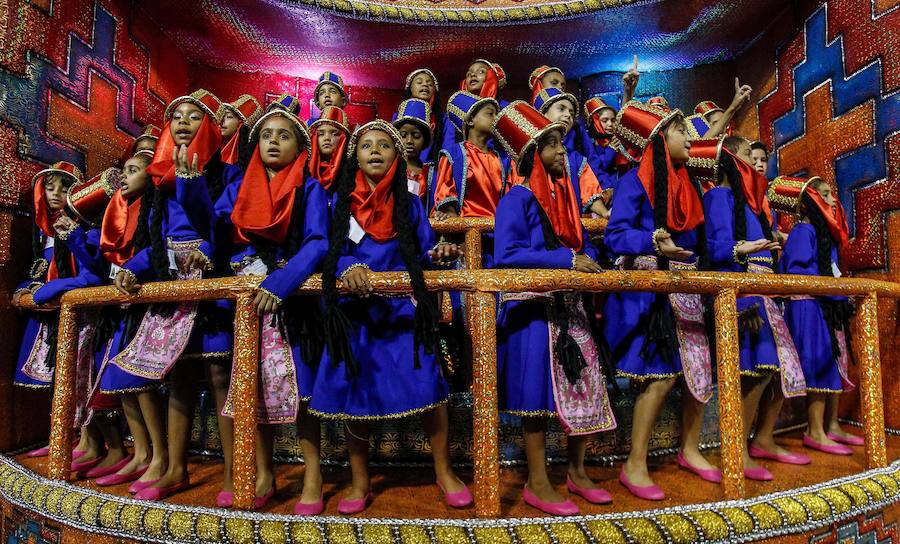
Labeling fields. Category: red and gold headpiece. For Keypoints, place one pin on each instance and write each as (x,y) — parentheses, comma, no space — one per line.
(88,199)
(637,124)
(518,127)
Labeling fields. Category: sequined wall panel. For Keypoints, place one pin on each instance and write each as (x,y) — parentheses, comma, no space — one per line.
(834,111)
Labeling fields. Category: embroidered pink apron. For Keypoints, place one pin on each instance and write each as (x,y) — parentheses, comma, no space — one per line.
(582,408)
(279,397)
(160,340)
(690,327)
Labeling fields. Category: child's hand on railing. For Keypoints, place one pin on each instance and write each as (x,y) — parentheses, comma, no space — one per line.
(357,280)
(197,260)
(444,253)
(667,248)
(126,282)
(441,215)
(583,263)
(265,302)
(755,246)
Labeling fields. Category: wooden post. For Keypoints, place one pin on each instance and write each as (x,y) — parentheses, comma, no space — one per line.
(486,419)
(731,423)
(870,381)
(62,413)
(245,395)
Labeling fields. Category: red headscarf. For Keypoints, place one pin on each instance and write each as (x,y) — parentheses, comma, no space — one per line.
(491,85)
(263,207)
(327,171)
(754,184)
(119,225)
(835,219)
(685,209)
(231,148)
(562,210)
(44,220)
(374,209)
(205,144)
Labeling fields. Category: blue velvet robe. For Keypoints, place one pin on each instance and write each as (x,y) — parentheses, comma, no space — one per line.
(381,337)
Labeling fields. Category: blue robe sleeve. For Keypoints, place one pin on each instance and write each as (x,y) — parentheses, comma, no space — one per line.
(87,277)
(719,210)
(512,239)
(799,255)
(85,247)
(451,136)
(308,259)
(424,232)
(140,265)
(624,234)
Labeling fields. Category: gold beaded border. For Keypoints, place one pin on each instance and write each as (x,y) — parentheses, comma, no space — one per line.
(474,16)
(768,516)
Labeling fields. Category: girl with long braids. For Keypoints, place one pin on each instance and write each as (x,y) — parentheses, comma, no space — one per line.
(187,174)
(37,354)
(740,239)
(657,223)
(382,357)
(819,324)
(548,364)
(278,217)
(330,133)
(125,230)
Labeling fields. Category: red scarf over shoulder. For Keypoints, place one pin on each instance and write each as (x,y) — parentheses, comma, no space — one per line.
(374,208)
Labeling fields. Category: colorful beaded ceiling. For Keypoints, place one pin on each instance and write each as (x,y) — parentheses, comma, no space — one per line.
(292,37)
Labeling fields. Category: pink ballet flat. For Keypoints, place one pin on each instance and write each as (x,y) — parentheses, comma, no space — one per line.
(314,509)
(713,475)
(139,486)
(459,499)
(565,508)
(225,499)
(759,474)
(160,493)
(83,466)
(850,439)
(99,472)
(837,449)
(789,459)
(593,496)
(117,479)
(349,507)
(40,452)
(646,492)
(260,502)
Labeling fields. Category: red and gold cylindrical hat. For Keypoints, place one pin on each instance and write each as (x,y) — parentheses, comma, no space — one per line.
(706,107)
(501,75)
(88,199)
(704,159)
(518,127)
(540,72)
(61,167)
(659,102)
(201,98)
(785,193)
(150,131)
(594,105)
(245,107)
(334,116)
(637,123)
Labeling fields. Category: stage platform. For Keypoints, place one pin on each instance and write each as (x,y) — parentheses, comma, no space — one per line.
(806,501)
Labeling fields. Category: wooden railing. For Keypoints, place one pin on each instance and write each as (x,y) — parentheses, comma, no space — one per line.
(481,287)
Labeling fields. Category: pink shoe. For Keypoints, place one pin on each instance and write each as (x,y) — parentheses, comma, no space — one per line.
(354,506)
(593,496)
(565,508)
(314,509)
(850,439)
(99,472)
(83,466)
(260,502)
(76,454)
(117,479)
(460,499)
(713,475)
(759,474)
(647,492)
(790,459)
(40,452)
(837,449)
(139,486)
(160,493)
(225,499)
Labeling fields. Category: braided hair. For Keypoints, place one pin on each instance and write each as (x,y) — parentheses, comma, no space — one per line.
(729,170)
(337,324)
